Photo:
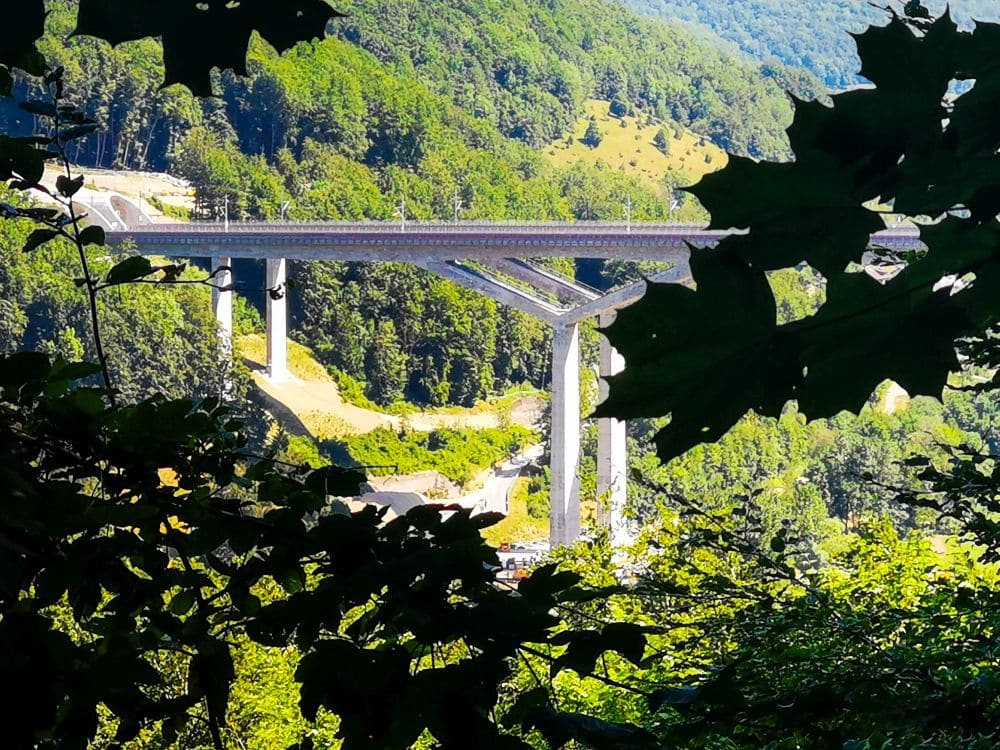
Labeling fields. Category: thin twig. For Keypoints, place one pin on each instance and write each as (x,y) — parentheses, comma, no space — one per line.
(84,263)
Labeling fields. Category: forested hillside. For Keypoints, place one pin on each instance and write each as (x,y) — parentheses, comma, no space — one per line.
(528,67)
(523,67)
(809,35)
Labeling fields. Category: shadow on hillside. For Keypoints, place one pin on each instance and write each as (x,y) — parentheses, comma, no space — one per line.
(285,416)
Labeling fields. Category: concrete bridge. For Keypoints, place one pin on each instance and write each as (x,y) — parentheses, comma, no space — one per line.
(494,260)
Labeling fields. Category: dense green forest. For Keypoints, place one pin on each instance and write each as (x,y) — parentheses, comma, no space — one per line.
(443,345)
(813,36)
(823,476)
(527,67)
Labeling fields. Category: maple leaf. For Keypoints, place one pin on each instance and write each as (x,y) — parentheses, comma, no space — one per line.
(707,356)
(24,24)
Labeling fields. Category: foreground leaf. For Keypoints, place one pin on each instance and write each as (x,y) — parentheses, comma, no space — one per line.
(707,356)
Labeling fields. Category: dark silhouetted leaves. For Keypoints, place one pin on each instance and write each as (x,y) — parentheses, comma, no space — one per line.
(182,603)
(38,238)
(354,683)
(560,728)
(726,332)
(130,269)
(336,481)
(209,676)
(781,208)
(24,23)
(585,647)
(706,357)
(93,235)
(21,159)
(200,36)
(546,583)
(69,186)
(38,107)
(72,132)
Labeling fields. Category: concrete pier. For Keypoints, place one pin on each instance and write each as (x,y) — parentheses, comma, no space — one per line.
(222,301)
(277,320)
(564,516)
(612,455)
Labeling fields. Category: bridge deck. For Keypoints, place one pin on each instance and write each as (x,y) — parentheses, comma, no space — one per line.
(375,241)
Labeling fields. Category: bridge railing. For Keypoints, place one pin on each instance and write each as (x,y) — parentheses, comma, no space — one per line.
(462,227)
(905,231)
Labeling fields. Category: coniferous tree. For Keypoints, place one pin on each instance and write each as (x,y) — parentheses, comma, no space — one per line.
(386,365)
(592,137)
(662,141)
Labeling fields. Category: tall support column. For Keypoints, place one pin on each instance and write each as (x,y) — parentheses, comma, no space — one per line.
(612,459)
(222,301)
(564,518)
(277,321)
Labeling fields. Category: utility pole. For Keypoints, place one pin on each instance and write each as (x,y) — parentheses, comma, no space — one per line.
(401,213)
(225,213)
(456,203)
(628,214)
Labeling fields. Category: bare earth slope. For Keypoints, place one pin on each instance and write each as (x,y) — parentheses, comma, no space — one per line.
(312,397)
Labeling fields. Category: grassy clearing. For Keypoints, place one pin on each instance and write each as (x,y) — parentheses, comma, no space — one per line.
(506,401)
(326,426)
(172,210)
(631,148)
(519,525)
(459,455)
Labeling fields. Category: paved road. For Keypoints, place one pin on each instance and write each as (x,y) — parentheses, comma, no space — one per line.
(501,483)
(494,496)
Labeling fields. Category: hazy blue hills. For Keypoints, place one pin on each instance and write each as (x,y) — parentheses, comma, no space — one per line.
(811,35)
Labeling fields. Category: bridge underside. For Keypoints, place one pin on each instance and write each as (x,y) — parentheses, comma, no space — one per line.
(562,303)
(490,259)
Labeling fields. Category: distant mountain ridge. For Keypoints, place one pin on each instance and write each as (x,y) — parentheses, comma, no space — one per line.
(811,35)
